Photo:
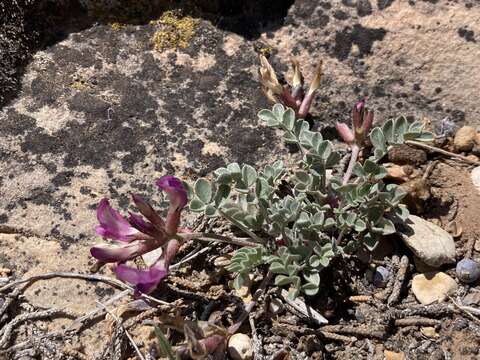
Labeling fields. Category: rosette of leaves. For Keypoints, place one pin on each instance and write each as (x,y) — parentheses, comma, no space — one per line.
(300,230)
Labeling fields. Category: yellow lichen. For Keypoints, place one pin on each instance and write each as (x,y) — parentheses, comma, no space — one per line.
(175,31)
(116,25)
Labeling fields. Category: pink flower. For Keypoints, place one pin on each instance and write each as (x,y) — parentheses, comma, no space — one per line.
(362,120)
(141,234)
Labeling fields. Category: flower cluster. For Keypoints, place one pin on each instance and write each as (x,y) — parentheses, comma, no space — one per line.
(293,95)
(139,235)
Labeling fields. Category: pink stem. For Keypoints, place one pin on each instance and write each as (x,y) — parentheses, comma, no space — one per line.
(353,159)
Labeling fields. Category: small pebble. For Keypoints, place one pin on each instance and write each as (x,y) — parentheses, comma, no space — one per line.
(432,287)
(381,276)
(468,271)
(276,306)
(465,138)
(240,347)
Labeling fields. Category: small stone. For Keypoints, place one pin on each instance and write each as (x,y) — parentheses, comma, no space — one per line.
(468,271)
(396,172)
(429,331)
(472,299)
(429,242)
(390,355)
(472,157)
(418,191)
(381,276)
(477,138)
(475,175)
(240,347)
(477,245)
(222,261)
(431,287)
(405,154)
(276,306)
(465,138)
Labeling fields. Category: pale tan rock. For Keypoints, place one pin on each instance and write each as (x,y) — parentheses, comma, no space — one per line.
(429,242)
(477,138)
(429,331)
(391,355)
(432,287)
(475,174)
(465,138)
(240,347)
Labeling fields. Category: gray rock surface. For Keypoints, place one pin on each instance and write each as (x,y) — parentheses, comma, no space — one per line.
(429,242)
(99,112)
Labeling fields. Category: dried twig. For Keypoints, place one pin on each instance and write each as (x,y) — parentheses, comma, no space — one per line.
(119,323)
(417,322)
(397,287)
(441,151)
(8,329)
(337,337)
(71,275)
(378,332)
(257,341)
(304,309)
(466,310)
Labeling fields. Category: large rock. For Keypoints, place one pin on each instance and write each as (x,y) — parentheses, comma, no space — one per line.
(429,242)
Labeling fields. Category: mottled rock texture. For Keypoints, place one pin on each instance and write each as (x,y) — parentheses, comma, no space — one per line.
(90,109)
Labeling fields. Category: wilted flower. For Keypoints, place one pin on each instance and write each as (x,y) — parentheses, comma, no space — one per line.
(141,234)
(362,119)
(293,95)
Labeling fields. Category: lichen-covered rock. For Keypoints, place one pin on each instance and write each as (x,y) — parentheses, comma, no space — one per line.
(429,242)
(465,138)
(432,287)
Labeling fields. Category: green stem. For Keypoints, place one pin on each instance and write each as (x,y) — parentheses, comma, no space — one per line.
(218,238)
(351,164)
(243,228)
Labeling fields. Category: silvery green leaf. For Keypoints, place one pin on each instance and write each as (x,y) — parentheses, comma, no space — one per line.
(425,136)
(415,127)
(314,261)
(388,131)
(332,159)
(241,279)
(197,205)
(293,292)
(234,168)
(387,226)
(329,222)
(370,241)
(203,190)
(401,127)
(268,117)
(278,111)
(358,170)
(318,218)
(223,191)
(289,138)
(277,268)
(303,177)
(210,211)
(310,289)
(281,280)
(378,139)
(312,277)
(288,119)
(360,225)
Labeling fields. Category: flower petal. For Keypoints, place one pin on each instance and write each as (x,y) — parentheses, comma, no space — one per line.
(175,191)
(146,210)
(140,224)
(145,281)
(345,133)
(111,254)
(112,224)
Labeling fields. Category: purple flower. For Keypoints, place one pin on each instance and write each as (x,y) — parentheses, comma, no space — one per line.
(145,281)
(113,225)
(175,191)
(178,199)
(141,234)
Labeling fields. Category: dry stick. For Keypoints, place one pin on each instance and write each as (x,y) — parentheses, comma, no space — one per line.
(119,323)
(257,342)
(441,151)
(466,310)
(417,322)
(336,337)
(8,329)
(402,271)
(376,332)
(261,289)
(91,277)
(190,257)
(10,299)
